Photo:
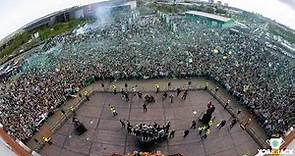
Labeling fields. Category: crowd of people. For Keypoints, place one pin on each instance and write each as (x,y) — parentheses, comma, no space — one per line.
(137,153)
(148,134)
(153,134)
(145,48)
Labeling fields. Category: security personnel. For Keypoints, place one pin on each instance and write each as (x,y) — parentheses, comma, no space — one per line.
(115,89)
(113,110)
(86,94)
(157,88)
(206,86)
(211,121)
(47,140)
(72,109)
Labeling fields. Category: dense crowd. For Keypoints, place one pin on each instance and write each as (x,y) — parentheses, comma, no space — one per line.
(136,153)
(146,47)
(149,134)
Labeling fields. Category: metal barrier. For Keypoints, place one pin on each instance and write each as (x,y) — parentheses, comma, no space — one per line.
(250,131)
(59,123)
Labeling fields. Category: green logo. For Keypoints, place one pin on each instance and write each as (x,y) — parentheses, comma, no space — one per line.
(275,143)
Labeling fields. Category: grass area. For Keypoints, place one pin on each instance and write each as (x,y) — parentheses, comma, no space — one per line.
(287,35)
(58,28)
(15,43)
(44,33)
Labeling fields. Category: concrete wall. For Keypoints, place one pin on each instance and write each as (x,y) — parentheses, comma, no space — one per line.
(5,149)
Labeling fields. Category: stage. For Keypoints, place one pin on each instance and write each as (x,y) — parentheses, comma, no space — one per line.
(105,135)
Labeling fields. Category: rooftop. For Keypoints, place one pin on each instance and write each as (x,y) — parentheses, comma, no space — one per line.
(207,15)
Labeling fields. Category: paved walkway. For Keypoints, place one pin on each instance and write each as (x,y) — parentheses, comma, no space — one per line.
(146,85)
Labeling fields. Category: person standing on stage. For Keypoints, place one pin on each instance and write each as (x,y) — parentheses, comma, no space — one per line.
(171,98)
(47,140)
(171,135)
(209,105)
(232,123)
(114,89)
(144,107)
(113,110)
(178,91)
(246,123)
(157,88)
(186,132)
(194,124)
(122,123)
(164,96)
(221,124)
(205,132)
(184,94)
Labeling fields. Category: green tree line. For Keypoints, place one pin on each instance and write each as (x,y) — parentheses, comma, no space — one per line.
(45,32)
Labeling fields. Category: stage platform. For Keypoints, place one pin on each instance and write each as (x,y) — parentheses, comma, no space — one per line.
(105,135)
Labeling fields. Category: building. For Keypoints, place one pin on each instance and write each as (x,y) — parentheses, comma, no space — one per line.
(50,19)
(211,20)
(79,12)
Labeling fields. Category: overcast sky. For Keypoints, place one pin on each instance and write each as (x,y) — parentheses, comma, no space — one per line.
(16,13)
(283,11)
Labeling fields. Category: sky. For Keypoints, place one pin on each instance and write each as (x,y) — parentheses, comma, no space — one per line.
(283,11)
(16,13)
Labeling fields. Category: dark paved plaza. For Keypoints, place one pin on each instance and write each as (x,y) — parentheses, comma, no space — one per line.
(105,135)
